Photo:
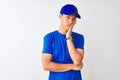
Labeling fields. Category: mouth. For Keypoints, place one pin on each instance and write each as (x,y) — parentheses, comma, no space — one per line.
(68,25)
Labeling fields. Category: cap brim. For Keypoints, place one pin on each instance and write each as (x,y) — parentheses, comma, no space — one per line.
(78,16)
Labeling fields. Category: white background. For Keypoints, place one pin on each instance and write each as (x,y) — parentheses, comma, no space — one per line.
(23,23)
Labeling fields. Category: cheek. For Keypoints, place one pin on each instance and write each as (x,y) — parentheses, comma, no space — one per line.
(65,22)
(74,22)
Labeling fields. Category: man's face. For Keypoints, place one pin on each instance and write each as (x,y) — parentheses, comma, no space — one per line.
(67,20)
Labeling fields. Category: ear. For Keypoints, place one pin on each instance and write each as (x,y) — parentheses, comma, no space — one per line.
(60,15)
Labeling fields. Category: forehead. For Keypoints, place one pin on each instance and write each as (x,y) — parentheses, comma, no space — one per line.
(71,15)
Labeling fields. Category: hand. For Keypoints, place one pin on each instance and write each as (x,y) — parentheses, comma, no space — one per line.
(68,34)
(77,67)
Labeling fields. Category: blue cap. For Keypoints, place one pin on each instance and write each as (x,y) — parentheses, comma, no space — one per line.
(69,9)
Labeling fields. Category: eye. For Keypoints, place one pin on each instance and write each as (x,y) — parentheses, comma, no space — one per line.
(68,17)
(73,19)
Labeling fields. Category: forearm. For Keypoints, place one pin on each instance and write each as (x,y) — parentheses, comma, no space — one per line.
(74,54)
(52,66)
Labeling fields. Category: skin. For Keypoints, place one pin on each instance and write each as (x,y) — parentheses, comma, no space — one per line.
(67,23)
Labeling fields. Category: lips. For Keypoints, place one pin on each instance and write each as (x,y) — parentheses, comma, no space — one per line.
(68,25)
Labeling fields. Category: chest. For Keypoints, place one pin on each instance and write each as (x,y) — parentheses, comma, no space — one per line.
(60,51)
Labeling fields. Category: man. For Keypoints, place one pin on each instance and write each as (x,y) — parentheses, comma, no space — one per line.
(63,49)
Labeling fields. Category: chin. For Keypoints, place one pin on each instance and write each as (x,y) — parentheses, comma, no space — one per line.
(66,28)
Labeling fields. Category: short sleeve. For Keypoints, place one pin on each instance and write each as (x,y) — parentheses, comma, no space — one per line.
(47,47)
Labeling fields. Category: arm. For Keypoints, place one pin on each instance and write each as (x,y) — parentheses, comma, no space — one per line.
(76,54)
(52,66)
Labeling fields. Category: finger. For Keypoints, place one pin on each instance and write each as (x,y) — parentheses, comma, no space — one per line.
(70,29)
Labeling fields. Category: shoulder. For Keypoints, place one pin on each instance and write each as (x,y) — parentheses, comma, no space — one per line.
(77,35)
(50,34)
(78,39)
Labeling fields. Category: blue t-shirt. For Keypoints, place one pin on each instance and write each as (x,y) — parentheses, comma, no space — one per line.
(55,44)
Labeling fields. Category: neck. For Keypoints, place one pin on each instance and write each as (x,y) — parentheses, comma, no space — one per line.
(62,30)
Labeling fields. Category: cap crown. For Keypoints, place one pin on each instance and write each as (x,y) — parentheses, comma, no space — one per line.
(69,9)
